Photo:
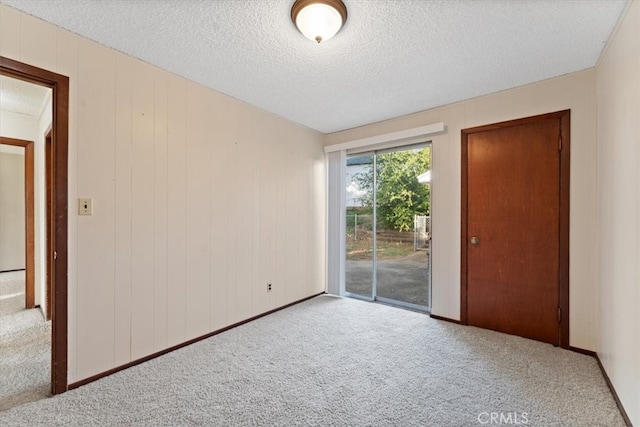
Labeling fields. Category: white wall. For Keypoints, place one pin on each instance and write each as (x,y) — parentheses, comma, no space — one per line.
(576,92)
(618,95)
(199,200)
(30,128)
(12,212)
(19,126)
(25,127)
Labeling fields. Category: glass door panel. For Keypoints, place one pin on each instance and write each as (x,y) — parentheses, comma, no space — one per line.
(359,278)
(402,211)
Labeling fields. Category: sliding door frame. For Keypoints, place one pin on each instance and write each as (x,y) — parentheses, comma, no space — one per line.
(374,282)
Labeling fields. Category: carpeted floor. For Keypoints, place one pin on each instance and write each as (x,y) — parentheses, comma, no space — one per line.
(341,362)
(25,346)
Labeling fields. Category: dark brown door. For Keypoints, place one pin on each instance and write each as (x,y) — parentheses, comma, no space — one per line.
(513,227)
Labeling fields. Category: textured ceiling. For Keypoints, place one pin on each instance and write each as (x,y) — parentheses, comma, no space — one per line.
(392,58)
(22,97)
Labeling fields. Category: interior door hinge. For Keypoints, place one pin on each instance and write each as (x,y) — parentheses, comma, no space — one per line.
(559,315)
(55,255)
(560,143)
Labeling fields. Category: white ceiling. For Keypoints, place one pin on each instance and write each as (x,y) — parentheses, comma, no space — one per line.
(21,97)
(392,58)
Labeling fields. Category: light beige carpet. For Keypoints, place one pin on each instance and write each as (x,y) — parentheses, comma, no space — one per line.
(342,362)
(25,346)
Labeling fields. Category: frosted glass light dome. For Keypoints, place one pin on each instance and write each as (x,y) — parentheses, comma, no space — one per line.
(318,20)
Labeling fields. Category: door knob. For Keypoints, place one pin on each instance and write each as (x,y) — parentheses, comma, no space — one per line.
(474,240)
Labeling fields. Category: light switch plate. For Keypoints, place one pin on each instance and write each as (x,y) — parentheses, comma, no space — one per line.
(85,207)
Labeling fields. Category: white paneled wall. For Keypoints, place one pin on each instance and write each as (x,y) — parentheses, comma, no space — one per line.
(96,234)
(574,91)
(619,209)
(122,213)
(199,201)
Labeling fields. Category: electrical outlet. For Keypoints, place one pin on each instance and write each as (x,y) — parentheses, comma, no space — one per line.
(85,207)
(269,287)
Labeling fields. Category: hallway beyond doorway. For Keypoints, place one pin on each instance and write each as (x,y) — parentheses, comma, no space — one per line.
(25,350)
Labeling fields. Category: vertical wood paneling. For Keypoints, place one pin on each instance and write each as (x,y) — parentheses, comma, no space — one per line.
(186,183)
(67,59)
(37,43)
(232,225)
(284,257)
(256,287)
(176,215)
(9,33)
(294,220)
(96,246)
(269,221)
(123,211)
(199,137)
(220,216)
(244,206)
(262,300)
(161,215)
(142,285)
(299,243)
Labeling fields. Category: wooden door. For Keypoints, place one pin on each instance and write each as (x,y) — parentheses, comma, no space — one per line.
(515,227)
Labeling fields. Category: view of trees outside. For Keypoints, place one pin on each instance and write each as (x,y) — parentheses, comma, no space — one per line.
(400,196)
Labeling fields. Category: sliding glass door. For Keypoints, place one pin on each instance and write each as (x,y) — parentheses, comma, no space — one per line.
(360,229)
(388,231)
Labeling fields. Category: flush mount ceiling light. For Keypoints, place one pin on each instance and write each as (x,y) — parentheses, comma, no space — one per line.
(319,20)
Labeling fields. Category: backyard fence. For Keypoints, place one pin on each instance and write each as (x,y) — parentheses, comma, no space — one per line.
(360,226)
(421,232)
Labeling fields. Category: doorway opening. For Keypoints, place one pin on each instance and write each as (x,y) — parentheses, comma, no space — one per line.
(388,226)
(25,333)
(57,233)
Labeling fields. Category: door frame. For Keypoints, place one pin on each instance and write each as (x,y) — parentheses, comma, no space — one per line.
(60,133)
(564,146)
(29,205)
(49,170)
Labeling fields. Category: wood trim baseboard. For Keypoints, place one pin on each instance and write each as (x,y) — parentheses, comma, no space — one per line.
(625,416)
(184,344)
(582,351)
(446,319)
